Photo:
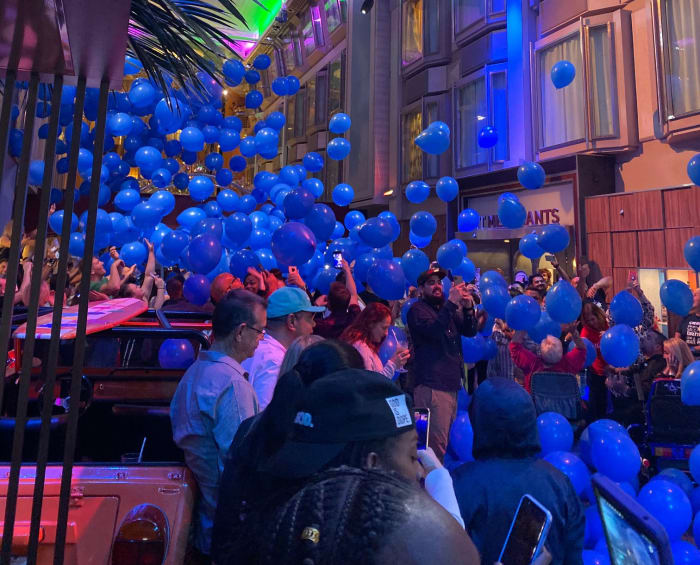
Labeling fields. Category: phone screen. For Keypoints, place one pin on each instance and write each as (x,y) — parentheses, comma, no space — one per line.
(628,546)
(525,533)
(422,418)
(338,260)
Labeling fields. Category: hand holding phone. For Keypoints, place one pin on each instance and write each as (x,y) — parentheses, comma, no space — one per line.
(422,418)
(527,534)
(338,260)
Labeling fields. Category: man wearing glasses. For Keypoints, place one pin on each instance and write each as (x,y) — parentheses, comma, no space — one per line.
(214,397)
(289,315)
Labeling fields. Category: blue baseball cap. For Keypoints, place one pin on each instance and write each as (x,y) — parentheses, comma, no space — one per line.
(289,300)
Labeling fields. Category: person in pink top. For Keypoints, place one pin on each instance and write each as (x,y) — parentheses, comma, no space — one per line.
(551,357)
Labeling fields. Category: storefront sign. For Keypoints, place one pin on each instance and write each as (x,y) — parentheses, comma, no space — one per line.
(548,205)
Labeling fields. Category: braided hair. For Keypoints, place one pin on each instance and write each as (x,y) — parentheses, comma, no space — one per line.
(343,515)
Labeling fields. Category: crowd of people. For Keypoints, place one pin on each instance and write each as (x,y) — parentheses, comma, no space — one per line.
(301,433)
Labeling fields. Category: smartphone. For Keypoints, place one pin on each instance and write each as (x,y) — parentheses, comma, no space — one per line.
(422,418)
(550,258)
(527,534)
(292,269)
(338,260)
(632,275)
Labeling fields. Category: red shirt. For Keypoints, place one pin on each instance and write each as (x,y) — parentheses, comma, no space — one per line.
(594,337)
(529,363)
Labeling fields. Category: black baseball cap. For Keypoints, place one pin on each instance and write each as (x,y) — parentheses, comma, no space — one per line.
(432,272)
(348,406)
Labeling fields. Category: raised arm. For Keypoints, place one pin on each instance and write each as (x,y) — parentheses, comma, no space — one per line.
(561,272)
(350,282)
(150,271)
(422,321)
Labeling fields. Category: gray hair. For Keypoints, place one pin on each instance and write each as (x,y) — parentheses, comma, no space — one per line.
(234,309)
(551,350)
(294,351)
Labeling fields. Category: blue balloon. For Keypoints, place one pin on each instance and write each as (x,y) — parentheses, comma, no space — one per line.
(204,253)
(192,139)
(693,169)
(571,466)
(238,227)
(133,253)
(76,245)
(201,188)
(213,161)
(142,94)
(473,348)
(174,243)
(447,189)
(376,232)
(280,86)
(512,213)
(56,221)
(170,118)
(148,158)
(343,194)
(667,502)
(262,61)
(288,175)
(691,252)
(196,289)
(233,71)
(685,553)
(241,260)
(522,312)
(679,477)
(531,175)
(529,247)
(414,263)
(562,73)
(563,302)
(209,226)
(555,431)
(313,162)
(248,148)
(211,134)
(417,191)
(488,137)
(615,455)
(450,255)
(253,99)
(158,233)
(298,203)
(293,84)
(418,241)
(690,384)
(259,238)
(468,220)
(252,76)
(694,462)
(237,163)
(224,177)
(229,139)
(553,238)
(353,218)
(435,139)
(461,438)
(677,297)
(338,148)
(626,309)
(395,226)
(276,121)
(495,298)
(596,557)
(594,527)
(620,346)
(181,181)
(259,219)
(423,224)
(339,123)
(36,172)
(190,216)
(545,326)
(387,279)
(161,178)
(323,279)
(492,278)
(338,231)
(314,186)
(175,354)
(293,244)
(467,270)
(120,124)
(228,200)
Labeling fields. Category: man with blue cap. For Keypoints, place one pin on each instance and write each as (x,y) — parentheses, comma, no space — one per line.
(289,315)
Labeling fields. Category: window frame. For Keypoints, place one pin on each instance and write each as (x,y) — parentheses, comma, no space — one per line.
(671,124)
(490,19)
(491,164)
(625,135)
(416,106)
(443,53)
(342,13)
(297,52)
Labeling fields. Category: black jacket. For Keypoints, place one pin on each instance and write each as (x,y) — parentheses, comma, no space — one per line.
(489,489)
(437,345)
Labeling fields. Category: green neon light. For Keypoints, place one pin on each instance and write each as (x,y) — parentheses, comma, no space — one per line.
(263,18)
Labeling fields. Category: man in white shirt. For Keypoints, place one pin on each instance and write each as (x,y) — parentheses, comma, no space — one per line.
(289,315)
(214,397)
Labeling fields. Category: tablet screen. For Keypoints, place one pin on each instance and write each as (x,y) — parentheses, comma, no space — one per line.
(627,545)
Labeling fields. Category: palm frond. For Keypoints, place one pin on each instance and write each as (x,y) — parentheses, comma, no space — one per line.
(175,39)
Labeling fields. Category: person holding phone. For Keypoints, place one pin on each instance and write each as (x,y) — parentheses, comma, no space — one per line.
(506,467)
(436,326)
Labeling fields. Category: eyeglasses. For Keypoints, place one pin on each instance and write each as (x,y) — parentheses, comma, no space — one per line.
(261,332)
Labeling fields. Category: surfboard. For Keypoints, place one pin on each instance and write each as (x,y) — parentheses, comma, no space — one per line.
(101,316)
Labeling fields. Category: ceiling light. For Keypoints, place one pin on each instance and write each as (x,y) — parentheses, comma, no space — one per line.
(506,241)
(367,6)
(389,192)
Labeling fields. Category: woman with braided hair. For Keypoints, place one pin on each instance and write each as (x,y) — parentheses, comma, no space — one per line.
(360,516)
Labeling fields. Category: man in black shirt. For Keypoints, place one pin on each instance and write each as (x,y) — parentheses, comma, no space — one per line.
(689,330)
(436,326)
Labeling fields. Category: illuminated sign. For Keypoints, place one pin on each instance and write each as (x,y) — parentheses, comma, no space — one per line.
(534,218)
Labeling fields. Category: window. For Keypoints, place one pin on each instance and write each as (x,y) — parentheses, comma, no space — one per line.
(472,116)
(411,155)
(311,107)
(603,97)
(299,113)
(321,97)
(336,88)
(291,106)
(336,14)
(312,30)
(432,162)
(334,174)
(412,27)
(562,110)
(469,13)
(291,53)
(481,100)
(681,27)
(432,30)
